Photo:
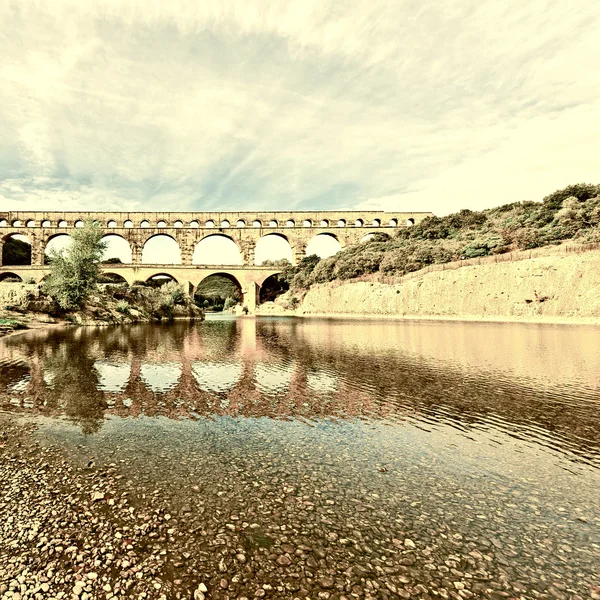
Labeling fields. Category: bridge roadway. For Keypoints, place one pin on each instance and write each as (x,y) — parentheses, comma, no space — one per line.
(188,229)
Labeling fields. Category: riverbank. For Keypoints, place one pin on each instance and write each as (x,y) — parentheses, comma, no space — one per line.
(550,287)
(25,306)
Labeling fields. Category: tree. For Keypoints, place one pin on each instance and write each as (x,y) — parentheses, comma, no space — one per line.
(74,272)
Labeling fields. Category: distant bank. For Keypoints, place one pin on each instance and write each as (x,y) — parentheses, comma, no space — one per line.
(553,284)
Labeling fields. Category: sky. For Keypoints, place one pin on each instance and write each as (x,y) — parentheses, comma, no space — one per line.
(399,105)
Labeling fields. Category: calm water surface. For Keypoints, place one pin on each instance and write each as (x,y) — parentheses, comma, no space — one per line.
(479,443)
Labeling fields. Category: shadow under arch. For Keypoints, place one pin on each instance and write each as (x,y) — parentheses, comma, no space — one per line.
(217,249)
(16,249)
(272,247)
(110,277)
(214,290)
(157,247)
(9,275)
(272,287)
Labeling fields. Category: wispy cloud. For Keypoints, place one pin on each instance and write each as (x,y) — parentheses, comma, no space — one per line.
(253,104)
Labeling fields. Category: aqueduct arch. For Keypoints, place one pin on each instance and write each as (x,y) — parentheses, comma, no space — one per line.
(188,229)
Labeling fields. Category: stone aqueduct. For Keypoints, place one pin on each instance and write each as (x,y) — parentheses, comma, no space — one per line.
(245,229)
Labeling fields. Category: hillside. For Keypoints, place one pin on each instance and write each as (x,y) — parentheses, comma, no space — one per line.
(572,213)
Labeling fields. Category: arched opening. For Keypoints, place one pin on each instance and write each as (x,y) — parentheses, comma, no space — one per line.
(218,292)
(290,223)
(341,223)
(10,278)
(225,223)
(324,223)
(117,250)
(358,223)
(376,222)
(57,243)
(273,223)
(144,224)
(46,223)
(16,223)
(216,249)
(16,250)
(3,223)
(112,224)
(307,223)
(161,249)
(393,222)
(161,224)
(30,223)
(323,245)
(272,247)
(209,224)
(178,224)
(79,223)
(128,224)
(257,224)
(410,222)
(159,279)
(375,237)
(194,224)
(272,286)
(112,278)
(241,223)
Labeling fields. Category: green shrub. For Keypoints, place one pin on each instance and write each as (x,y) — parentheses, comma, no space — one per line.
(123,307)
(74,272)
(229,302)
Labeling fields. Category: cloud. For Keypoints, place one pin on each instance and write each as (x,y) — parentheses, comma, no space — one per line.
(274,105)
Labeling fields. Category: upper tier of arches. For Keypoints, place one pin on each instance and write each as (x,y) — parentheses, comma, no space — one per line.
(212,223)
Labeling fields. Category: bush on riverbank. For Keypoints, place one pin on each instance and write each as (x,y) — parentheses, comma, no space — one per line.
(570,213)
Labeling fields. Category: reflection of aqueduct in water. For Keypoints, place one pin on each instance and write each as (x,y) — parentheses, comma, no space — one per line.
(182,371)
(188,230)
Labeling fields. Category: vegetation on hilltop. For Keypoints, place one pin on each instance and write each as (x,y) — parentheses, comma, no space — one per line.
(570,213)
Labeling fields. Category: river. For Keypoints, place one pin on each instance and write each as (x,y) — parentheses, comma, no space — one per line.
(339,458)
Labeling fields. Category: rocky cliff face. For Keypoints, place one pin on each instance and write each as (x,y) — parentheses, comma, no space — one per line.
(547,288)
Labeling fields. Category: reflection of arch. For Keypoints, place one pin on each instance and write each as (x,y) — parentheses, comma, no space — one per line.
(117,247)
(16,249)
(5,276)
(273,246)
(323,245)
(161,377)
(112,376)
(216,376)
(273,379)
(161,249)
(217,249)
